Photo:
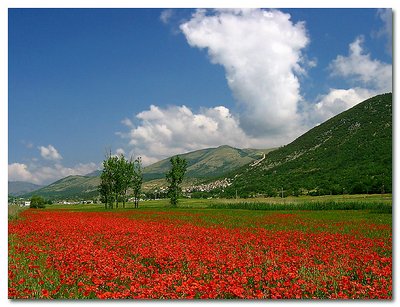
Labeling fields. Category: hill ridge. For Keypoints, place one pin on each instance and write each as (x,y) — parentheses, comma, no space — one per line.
(351,152)
(17,188)
(203,163)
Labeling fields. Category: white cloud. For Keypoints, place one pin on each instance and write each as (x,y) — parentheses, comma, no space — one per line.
(147,160)
(261,52)
(166,16)
(20,172)
(335,102)
(360,69)
(49,153)
(368,76)
(79,169)
(41,171)
(127,122)
(27,144)
(164,132)
(387,30)
(120,151)
(40,174)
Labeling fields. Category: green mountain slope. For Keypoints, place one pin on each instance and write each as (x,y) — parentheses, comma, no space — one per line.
(210,162)
(203,163)
(350,153)
(69,187)
(16,188)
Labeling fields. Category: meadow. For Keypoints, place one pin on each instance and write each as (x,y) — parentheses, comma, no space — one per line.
(260,248)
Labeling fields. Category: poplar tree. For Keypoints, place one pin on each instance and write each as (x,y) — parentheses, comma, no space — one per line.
(108,181)
(118,176)
(175,177)
(137,180)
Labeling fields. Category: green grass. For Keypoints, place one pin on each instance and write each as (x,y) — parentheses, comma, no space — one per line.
(316,206)
(375,203)
(334,202)
(14,211)
(387,198)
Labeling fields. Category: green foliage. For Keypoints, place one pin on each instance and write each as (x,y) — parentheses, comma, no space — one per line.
(37,202)
(105,187)
(136,179)
(109,181)
(14,211)
(117,177)
(174,178)
(327,205)
(349,153)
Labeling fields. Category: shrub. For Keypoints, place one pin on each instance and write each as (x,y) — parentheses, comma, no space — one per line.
(37,202)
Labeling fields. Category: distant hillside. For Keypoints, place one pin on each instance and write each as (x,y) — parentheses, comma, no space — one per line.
(205,163)
(202,164)
(350,153)
(17,188)
(69,187)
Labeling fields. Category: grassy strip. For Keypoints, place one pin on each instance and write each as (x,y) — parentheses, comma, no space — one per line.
(382,203)
(331,205)
(14,211)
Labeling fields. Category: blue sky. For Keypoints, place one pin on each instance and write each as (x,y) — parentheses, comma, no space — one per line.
(157,82)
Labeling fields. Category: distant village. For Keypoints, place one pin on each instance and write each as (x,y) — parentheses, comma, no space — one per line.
(158,193)
(218,184)
(22,202)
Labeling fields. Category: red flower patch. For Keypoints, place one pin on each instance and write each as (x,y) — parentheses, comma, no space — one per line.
(109,256)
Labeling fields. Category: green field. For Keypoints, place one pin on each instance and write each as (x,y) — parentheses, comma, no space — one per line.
(204,203)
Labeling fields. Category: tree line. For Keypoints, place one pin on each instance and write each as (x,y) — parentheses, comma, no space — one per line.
(121,176)
(118,176)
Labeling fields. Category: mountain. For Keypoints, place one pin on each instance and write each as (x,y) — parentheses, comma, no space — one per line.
(205,163)
(69,187)
(17,188)
(349,153)
(202,164)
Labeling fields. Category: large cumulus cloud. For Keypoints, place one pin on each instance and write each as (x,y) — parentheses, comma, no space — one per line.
(163,132)
(261,52)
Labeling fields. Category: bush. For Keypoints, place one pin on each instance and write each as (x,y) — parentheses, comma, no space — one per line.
(37,202)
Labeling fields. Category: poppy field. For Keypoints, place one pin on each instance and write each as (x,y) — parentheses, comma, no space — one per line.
(162,253)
